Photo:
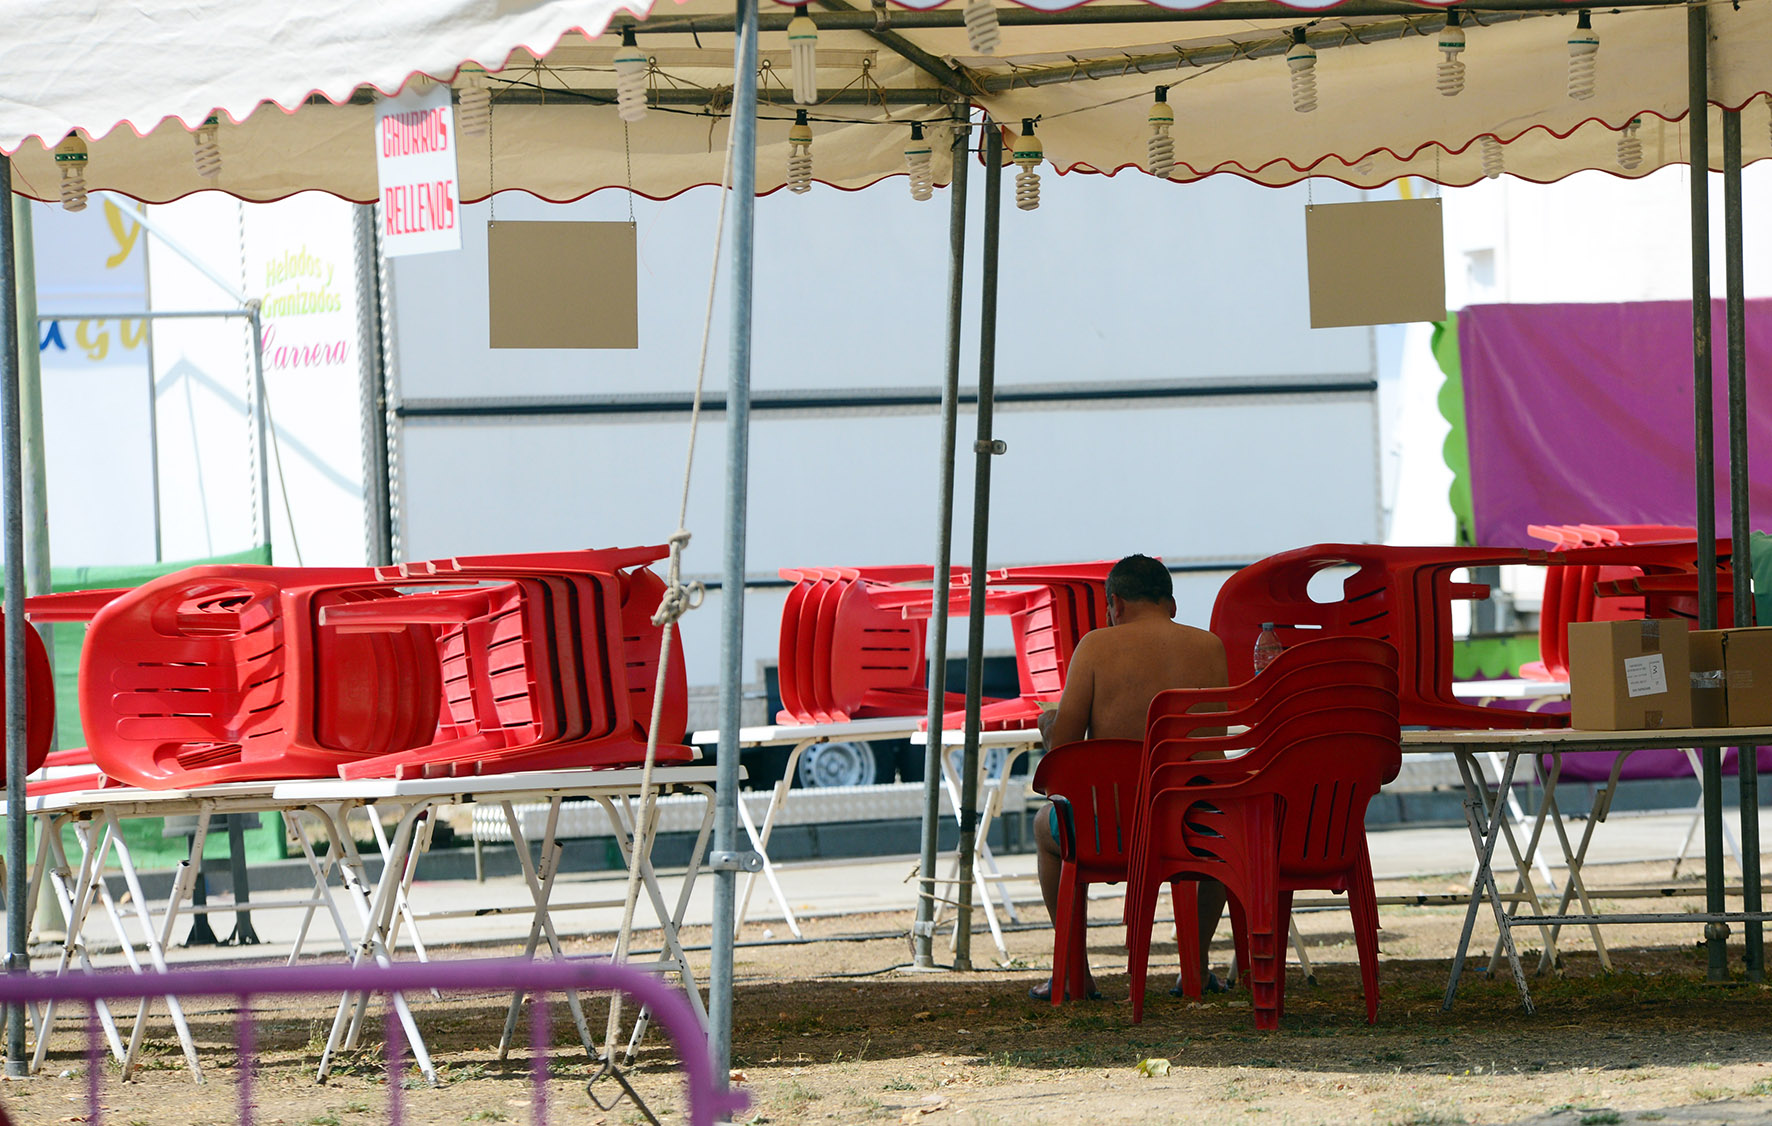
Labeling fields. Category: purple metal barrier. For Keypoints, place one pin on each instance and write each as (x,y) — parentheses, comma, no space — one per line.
(708,1103)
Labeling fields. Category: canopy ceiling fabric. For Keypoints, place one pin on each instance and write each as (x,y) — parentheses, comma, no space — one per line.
(554,133)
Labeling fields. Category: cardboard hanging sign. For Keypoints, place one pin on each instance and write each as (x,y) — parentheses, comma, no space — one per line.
(1374,263)
(562,285)
(415,163)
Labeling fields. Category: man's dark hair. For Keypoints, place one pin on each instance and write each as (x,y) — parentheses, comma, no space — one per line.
(1139,578)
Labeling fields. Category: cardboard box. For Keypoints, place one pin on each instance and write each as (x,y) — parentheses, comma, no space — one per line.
(1732,677)
(1630,676)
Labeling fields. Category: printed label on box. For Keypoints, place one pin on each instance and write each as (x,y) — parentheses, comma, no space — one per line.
(1645,676)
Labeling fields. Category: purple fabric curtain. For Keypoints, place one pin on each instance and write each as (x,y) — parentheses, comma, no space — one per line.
(1583,414)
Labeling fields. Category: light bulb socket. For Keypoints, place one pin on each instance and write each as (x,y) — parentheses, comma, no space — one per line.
(1453,18)
(1298,35)
(916,130)
(1162,93)
(800,117)
(1027,127)
(1584,20)
(627,37)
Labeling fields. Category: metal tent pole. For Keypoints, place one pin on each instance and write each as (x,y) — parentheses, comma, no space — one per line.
(18,912)
(1740,520)
(30,399)
(1698,153)
(738,425)
(986,447)
(923,930)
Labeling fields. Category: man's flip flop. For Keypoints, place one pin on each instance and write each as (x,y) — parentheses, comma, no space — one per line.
(1043,992)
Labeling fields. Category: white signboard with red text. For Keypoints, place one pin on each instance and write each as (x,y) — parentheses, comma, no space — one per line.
(415,162)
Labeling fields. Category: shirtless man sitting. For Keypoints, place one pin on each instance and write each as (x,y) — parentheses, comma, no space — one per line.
(1114,674)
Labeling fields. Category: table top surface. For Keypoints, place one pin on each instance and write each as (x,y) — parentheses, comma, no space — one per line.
(272,794)
(956,737)
(1570,739)
(885,727)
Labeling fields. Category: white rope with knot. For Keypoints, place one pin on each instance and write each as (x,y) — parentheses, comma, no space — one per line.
(679,598)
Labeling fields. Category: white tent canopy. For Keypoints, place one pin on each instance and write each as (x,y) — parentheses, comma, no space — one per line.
(295,93)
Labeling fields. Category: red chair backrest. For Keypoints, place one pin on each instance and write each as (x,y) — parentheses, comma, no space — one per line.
(1099,777)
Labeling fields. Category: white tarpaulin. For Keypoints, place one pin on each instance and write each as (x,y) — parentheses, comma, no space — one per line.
(115,70)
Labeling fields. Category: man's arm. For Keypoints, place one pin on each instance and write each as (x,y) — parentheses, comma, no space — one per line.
(1070,722)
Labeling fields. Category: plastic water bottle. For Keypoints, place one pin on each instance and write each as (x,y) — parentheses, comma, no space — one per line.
(1267,646)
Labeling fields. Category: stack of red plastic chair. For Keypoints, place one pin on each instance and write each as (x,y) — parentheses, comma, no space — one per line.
(852,643)
(1314,737)
(499,663)
(1401,595)
(39,705)
(1619,573)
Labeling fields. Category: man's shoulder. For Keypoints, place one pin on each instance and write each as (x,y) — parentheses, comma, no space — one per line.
(1206,639)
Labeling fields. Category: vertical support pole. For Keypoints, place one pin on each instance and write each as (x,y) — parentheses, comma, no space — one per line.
(738,427)
(18,911)
(373,372)
(30,400)
(1698,124)
(923,930)
(985,449)
(1740,520)
(261,420)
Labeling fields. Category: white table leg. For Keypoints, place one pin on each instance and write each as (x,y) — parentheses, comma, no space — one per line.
(689,876)
(760,842)
(1485,820)
(321,867)
(76,900)
(541,888)
(157,943)
(381,910)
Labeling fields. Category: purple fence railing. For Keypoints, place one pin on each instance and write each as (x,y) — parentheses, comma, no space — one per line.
(709,1102)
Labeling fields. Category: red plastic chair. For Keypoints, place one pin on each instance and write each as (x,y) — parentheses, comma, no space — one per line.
(1295,700)
(1399,595)
(1092,785)
(1297,823)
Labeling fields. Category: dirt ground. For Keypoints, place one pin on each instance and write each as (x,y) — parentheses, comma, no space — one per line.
(836,1030)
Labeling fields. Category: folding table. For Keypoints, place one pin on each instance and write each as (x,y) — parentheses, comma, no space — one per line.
(801,737)
(1488,825)
(416,797)
(96,817)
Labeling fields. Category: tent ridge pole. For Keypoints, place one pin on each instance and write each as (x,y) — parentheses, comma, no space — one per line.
(923,930)
(984,450)
(1740,524)
(12,516)
(950,77)
(1698,155)
(738,425)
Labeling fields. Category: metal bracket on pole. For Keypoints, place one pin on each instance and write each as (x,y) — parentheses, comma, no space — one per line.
(746,861)
(994,446)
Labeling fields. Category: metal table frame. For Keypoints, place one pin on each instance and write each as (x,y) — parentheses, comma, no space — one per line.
(1488,824)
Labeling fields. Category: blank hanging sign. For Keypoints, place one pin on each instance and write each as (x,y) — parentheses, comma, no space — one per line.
(1376,263)
(563,285)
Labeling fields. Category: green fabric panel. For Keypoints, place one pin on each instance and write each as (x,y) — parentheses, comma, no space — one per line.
(143,835)
(153,850)
(1457,447)
(1759,547)
(1493,658)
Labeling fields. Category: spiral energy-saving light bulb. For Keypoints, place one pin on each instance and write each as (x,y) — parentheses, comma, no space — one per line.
(1630,146)
(800,154)
(473,102)
(1302,59)
(70,157)
(1160,147)
(983,30)
(1451,73)
(631,66)
(1584,55)
(205,152)
(1492,167)
(803,55)
(919,156)
(1027,154)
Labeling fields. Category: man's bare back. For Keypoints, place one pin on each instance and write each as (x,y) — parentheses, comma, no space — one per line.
(1116,672)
